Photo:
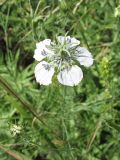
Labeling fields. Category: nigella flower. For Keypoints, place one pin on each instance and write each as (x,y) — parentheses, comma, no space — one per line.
(61,57)
(15,129)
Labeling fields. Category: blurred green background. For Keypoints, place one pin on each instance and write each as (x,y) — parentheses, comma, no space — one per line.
(56,122)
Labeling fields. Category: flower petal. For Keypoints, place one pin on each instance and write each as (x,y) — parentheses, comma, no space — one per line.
(43,73)
(74,42)
(40,54)
(61,39)
(70,42)
(44,43)
(42,50)
(71,76)
(84,56)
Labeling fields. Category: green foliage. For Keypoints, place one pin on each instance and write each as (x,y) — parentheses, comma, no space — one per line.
(59,122)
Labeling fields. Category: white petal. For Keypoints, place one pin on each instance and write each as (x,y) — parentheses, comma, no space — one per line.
(70,42)
(40,54)
(42,50)
(84,56)
(61,39)
(74,42)
(71,76)
(44,73)
(43,43)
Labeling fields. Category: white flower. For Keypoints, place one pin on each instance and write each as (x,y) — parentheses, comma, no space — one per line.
(62,56)
(15,129)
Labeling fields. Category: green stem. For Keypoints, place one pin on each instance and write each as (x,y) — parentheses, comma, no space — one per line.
(7,87)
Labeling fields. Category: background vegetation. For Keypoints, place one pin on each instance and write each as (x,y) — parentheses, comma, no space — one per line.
(58,122)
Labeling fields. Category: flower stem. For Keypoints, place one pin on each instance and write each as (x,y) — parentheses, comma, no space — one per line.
(7,87)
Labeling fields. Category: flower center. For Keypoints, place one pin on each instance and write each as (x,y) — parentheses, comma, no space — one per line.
(64,55)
